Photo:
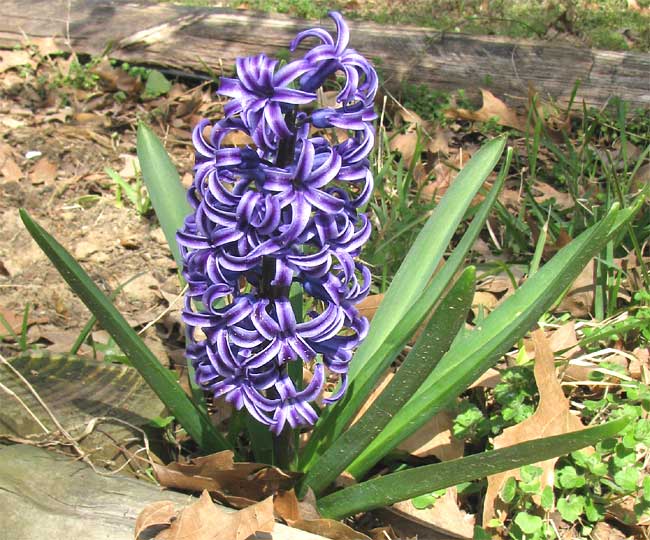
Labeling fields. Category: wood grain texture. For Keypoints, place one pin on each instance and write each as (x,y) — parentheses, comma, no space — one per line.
(45,495)
(79,392)
(190,38)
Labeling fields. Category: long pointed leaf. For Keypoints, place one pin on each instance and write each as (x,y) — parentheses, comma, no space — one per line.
(482,347)
(162,381)
(434,341)
(167,194)
(392,488)
(335,419)
(428,249)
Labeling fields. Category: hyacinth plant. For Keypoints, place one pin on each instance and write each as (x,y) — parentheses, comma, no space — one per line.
(282,212)
(273,230)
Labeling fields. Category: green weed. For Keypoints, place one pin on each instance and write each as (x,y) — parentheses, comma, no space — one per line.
(137,194)
(586,484)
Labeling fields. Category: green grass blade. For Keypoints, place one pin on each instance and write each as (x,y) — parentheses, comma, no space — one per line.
(167,194)
(24,327)
(123,185)
(446,321)
(482,347)
(539,249)
(4,322)
(335,419)
(162,381)
(399,486)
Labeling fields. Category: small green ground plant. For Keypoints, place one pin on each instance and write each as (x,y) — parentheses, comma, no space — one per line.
(442,363)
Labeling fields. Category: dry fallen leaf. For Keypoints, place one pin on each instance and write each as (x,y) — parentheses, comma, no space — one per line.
(640,364)
(483,301)
(563,339)
(379,388)
(489,379)
(435,439)
(439,141)
(564,343)
(580,298)
(405,144)
(633,5)
(623,512)
(131,166)
(10,170)
(492,107)
(11,59)
(369,305)
(430,139)
(552,417)
(239,484)
(203,520)
(329,528)
(444,176)
(444,516)
(563,201)
(237,138)
(113,78)
(15,320)
(604,531)
(641,177)
(158,514)
(44,172)
(286,506)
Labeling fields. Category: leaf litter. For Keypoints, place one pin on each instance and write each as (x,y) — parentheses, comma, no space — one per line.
(203,520)
(74,144)
(553,416)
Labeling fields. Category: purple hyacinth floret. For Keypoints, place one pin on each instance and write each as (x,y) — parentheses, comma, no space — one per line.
(283,209)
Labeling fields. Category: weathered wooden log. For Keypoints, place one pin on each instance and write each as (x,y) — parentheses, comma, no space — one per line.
(108,407)
(193,38)
(45,495)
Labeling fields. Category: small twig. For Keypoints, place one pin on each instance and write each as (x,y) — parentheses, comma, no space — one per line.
(167,310)
(596,383)
(62,430)
(92,425)
(492,234)
(24,405)
(391,96)
(382,130)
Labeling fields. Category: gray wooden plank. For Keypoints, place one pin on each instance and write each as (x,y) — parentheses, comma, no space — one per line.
(189,38)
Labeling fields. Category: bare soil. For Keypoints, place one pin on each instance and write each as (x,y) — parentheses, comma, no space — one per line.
(55,142)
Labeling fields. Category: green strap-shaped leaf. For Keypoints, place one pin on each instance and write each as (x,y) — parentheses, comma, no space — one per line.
(392,488)
(336,418)
(167,194)
(444,324)
(427,250)
(481,348)
(169,202)
(162,381)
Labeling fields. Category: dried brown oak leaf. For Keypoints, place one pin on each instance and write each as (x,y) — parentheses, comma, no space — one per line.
(238,484)
(203,520)
(435,439)
(552,417)
(329,528)
(44,172)
(445,516)
(303,515)
(492,107)
(159,515)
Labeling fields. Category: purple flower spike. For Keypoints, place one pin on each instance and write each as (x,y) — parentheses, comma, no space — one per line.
(281,211)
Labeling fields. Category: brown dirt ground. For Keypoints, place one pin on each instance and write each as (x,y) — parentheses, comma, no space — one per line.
(77,133)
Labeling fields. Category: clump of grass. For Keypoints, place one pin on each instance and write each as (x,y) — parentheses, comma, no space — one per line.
(608,24)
